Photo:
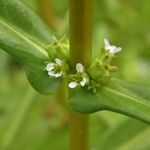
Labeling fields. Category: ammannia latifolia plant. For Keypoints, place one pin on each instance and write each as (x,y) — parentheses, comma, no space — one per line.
(46,60)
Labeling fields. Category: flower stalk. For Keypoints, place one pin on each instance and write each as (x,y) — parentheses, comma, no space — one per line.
(80,16)
(80,21)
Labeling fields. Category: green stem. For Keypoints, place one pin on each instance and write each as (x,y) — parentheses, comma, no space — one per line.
(80,18)
(79,131)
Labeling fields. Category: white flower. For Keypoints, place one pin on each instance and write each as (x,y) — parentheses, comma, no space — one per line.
(51,68)
(51,73)
(57,75)
(58,61)
(111,48)
(84,82)
(79,67)
(72,85)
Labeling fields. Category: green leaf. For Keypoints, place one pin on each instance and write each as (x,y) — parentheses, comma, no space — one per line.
(24,36)
(126,136)
(118,96)
(19,15)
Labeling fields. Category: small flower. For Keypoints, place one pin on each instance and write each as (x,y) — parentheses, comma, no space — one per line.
(72,85)
(82,83)
(58,61)
(82,79)
(79,67)
(57,75)
(55,69)
(50,66)
(51,73)
(111,48)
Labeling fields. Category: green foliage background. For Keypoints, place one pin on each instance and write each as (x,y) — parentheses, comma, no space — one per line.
(30,121)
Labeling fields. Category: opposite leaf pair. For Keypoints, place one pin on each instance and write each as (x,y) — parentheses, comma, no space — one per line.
(28,42)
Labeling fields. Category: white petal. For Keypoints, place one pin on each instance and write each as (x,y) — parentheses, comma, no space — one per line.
(106,44)
(79,67)
(57,75)
(51,73)
(84,81)
(49,67)
(58,61)
(72,85)
(111,48)
(118,49)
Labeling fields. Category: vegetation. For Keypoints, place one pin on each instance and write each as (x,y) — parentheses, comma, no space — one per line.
(86,88)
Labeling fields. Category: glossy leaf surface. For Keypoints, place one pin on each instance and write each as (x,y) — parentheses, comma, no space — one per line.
(24,36)
(118,96)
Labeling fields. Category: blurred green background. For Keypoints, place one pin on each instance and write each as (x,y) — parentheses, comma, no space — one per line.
(30,121)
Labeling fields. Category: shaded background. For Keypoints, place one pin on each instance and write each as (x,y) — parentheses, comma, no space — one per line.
(30,121)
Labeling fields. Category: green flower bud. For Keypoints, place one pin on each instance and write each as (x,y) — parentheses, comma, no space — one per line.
(99,72)
(59,48)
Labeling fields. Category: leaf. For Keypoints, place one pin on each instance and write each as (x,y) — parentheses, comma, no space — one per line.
(3,62)
(118,96)
(126,135)
(24,36)
(18,14)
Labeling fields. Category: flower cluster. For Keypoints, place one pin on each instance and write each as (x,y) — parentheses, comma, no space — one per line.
(81,78)
(95,76)
(54,69)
